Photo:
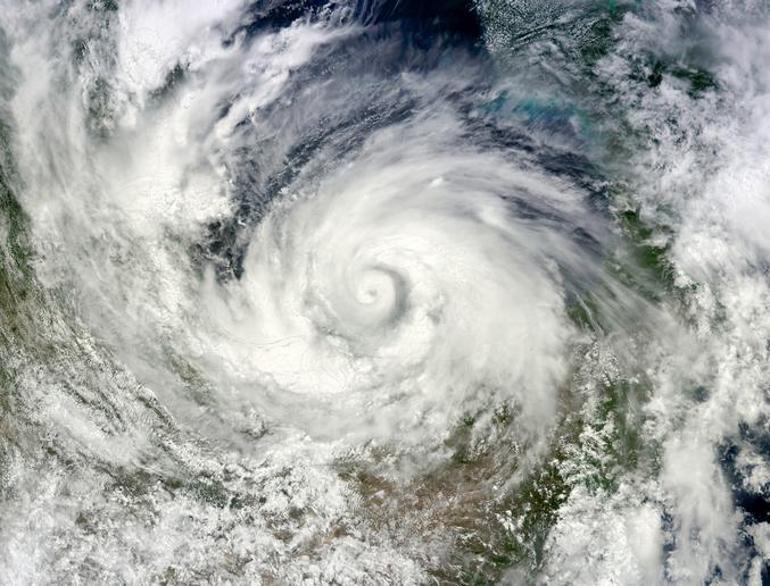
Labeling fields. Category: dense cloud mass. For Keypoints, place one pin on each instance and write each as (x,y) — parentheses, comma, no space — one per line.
(374,292)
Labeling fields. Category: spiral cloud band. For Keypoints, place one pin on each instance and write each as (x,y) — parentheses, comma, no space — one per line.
(373,292)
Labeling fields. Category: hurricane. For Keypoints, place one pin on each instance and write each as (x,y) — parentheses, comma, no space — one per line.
(384,292)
